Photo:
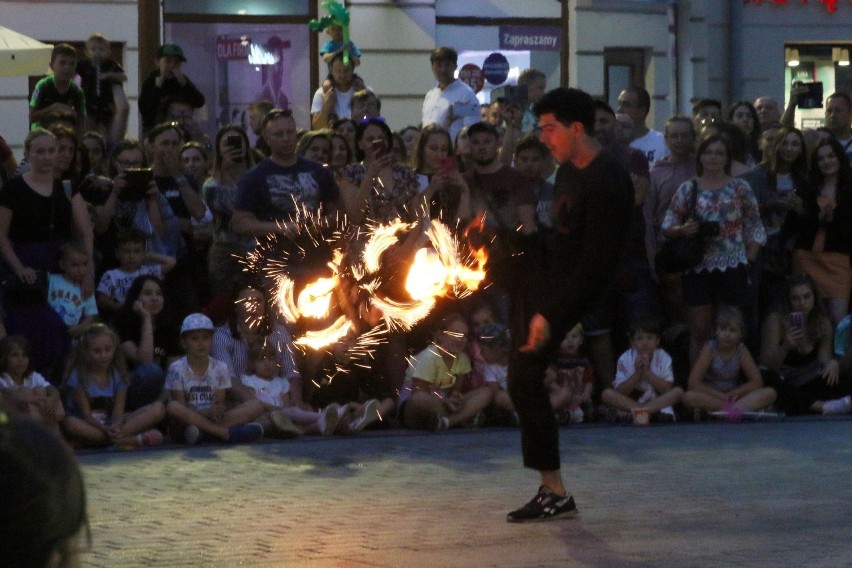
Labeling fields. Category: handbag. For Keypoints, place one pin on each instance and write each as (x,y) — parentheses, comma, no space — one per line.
(681,253)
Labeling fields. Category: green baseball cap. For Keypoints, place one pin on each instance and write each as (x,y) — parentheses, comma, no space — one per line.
(171,49)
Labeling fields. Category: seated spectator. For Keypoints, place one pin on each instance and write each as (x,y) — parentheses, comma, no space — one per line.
(134,262)
(58,93)
(725,377)
(96,403)
(644,377)
(44,521)
(166,81)
(101,79)
(432,397)
(825,229)
(197,384)
(798,346)
(149,339)
(64,292)
(23,390)
(571,378)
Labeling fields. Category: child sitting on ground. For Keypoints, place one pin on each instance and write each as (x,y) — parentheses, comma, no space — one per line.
(282,419)
(134,262)
(64,293)
(26,391)
(716,379)
(644,377)
(571,378)
(493,340)
(197,385)
(431,396)
(97,381)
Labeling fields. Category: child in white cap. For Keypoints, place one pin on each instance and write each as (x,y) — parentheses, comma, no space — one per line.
(197,384)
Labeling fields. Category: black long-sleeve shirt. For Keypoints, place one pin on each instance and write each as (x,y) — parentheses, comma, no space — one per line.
(151,97)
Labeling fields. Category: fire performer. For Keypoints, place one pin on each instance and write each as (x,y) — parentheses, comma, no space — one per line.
(592,207)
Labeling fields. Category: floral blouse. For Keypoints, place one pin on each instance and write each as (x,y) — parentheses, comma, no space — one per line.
(387,203)
(735,208)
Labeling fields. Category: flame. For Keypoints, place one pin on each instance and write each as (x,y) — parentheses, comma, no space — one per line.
(325,337)
(315,299)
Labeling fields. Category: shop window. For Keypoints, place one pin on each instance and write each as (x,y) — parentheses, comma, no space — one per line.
(623,67)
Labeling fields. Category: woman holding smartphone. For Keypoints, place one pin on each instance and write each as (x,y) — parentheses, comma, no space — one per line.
(441,183)
(233,157)
(797,345)
(727,217)
(378,188)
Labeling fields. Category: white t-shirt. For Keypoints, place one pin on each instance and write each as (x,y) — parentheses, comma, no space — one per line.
(453,108)
(496,373)
(341,109)
(653,145)
(273,393)
(34,381)
(199,389)
(661,365)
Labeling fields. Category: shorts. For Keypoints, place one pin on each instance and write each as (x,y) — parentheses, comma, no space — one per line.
(727,287)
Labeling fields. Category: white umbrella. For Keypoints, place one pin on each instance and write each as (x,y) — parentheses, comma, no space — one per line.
(22,55)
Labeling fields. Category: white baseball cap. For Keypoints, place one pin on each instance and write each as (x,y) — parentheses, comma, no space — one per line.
(193,322)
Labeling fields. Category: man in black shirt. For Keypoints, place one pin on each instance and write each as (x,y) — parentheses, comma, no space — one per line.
(592,207)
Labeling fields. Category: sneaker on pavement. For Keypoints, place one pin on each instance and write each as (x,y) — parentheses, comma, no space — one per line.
(838,405)
(245,434)
(437,422)
(283,426)
(329,416)
(370,415)
(577,415)
(545,506)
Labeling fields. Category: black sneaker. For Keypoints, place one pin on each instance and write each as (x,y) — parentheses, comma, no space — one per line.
(545,506)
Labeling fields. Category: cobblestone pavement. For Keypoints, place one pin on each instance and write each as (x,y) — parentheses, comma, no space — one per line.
(684,495)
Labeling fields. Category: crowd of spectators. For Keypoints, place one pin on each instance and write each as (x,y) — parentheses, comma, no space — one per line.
(127,315)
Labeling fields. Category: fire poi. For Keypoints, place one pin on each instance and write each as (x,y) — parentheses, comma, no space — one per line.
(331,280)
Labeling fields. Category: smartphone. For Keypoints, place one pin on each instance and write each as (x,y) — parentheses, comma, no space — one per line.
(138,180)
(380,148)
(811,99)
(796,320)
(235,142)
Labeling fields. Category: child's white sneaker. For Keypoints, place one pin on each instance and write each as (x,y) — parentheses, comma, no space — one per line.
(328,419)
(838,406)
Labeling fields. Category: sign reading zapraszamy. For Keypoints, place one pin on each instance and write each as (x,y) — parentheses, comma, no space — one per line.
(531,38)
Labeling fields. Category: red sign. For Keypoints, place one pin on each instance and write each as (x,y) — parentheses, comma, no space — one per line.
(471,75)
(230,49)
(831,5)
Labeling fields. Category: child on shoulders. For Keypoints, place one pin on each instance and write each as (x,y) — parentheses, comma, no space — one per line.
(644,376)
(25,390)
(65,294)
(571,378)
(197,386)
(431,396)
(97,380)
(716,380)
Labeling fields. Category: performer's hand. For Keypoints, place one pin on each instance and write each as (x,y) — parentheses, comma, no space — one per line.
(538,335)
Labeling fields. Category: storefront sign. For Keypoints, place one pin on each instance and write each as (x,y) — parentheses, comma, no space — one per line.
(531,38)
(471,75)
(831,5)
(230,49)
(496,68)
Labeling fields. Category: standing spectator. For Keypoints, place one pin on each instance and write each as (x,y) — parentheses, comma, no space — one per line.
(101,79)
(365,104)
(838,116)
(666,177)
(341,155)
(822,249)
(164,82)
(36,218)
(593,201)
(196,161)
(768,111)
(346,128)
(232,158)
(732,238)
(270,194)
(446,192)
(315,145)
(8,164)
(410,135)
(536,83)
(329,106)
(706,111)
(256,111)
(635,102)
(743,115)
(178,110)
(94,144)
(533,159)
(451,103)
(58,93)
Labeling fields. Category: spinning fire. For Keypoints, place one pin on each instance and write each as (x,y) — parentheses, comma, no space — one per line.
(332,281)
